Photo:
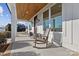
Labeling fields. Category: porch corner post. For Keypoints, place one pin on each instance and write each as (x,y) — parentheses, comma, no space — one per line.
(13,22)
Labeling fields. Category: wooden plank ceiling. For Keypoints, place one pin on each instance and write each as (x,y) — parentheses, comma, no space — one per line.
(26,11)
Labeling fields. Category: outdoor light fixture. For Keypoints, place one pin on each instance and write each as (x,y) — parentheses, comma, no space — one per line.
(27,12)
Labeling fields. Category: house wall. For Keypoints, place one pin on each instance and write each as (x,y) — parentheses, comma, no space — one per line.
(69,37)
(57,38)
(70,16)
(40,24)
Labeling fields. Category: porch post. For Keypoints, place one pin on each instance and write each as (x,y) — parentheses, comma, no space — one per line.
(13,21)
(28,27)
(49,17)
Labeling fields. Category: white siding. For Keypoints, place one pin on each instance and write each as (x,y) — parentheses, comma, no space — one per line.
(76,25)
(70,15)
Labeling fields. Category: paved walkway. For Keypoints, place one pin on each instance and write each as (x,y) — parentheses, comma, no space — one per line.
(24,47)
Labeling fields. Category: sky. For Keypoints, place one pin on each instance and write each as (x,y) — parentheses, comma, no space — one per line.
(5,15)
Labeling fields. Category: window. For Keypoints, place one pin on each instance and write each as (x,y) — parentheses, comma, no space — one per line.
(46,20)
(58,23)
(56,18)
(30,25)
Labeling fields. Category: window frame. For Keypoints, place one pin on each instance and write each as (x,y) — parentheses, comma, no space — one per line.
(45,19)
(56,15)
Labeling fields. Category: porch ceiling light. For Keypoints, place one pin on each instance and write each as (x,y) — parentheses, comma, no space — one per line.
(27,12)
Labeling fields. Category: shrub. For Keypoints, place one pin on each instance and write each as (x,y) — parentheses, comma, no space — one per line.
(8,34)
(2,38)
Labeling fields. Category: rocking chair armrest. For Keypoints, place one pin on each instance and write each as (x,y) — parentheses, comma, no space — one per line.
(43,37)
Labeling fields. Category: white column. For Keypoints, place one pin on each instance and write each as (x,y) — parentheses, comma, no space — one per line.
(28,27)
(49,17)
(13,21)
(50,33)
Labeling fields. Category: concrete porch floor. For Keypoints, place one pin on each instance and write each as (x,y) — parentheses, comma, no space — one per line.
(23,46)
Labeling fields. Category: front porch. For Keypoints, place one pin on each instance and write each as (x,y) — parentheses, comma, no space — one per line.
(23,46)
